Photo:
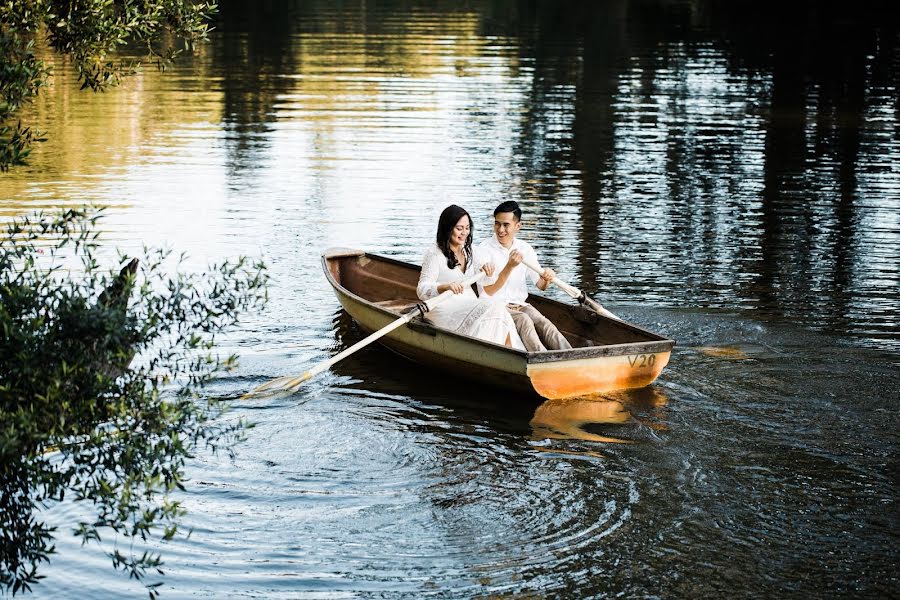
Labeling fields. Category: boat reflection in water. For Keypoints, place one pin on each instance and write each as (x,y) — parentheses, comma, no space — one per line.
(624,416)
(608,418)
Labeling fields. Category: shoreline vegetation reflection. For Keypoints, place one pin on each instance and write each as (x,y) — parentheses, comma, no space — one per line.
(765,181)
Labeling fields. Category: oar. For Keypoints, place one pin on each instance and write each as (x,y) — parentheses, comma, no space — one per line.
(290,383)
(573,292)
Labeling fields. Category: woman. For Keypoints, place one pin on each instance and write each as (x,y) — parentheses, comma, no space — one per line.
(445,265)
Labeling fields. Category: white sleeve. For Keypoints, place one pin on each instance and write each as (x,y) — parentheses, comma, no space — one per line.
(428,282)
(531,256)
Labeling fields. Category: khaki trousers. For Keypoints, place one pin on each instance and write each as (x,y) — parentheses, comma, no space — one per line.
(536,330)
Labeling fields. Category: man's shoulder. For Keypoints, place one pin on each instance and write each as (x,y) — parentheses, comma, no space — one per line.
(523,246)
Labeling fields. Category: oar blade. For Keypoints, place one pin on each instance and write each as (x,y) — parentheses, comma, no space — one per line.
(278,386)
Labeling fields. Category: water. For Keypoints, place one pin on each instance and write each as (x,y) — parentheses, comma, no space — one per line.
(727,179)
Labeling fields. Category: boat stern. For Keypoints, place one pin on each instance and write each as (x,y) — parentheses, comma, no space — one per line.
(601,371)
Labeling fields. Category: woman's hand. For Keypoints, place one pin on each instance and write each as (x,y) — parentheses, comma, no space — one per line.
(488,269)
(548,274)
(456,287)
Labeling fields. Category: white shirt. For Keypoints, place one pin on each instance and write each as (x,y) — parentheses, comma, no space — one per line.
(515,290)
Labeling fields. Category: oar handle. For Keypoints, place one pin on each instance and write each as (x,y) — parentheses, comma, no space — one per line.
(572,291)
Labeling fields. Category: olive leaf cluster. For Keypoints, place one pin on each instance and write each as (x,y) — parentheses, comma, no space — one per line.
(91,32)
(101,387)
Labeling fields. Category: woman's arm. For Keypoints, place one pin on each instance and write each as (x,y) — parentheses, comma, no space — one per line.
(428,285)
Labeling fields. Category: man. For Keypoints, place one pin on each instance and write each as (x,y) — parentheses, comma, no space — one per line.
(510,284)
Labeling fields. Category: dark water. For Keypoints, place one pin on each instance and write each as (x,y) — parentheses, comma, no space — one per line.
(727,174)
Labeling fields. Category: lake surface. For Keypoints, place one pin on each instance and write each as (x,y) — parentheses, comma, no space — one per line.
(719,175)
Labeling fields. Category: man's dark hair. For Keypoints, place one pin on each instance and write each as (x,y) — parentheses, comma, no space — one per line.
(509,206)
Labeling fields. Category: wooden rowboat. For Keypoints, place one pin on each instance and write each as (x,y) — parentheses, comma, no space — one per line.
(606,355)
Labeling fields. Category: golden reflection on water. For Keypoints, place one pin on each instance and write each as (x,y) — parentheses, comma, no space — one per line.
(726,352)
(570,418)
(330,98)
(95,140)
(356,125)
(303,138)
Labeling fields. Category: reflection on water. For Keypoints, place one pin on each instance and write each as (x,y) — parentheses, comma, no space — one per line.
(656,164)
(721,175)
(584,418)
(730,352)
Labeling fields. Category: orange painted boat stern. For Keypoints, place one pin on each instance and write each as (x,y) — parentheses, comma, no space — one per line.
(598,374)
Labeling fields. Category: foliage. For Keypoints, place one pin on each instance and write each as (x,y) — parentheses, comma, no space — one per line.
(99,396)
(90,31)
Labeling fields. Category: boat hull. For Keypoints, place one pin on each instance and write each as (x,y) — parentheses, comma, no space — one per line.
(597,375)
(375,291)
(431,347)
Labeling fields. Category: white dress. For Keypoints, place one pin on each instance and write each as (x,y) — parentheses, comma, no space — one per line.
(464,313)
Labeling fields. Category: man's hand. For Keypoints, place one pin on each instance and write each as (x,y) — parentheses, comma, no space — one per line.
(515,258)
(488,269)
(548,275)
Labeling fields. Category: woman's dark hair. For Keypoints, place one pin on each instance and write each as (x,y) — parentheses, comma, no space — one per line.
(449,218)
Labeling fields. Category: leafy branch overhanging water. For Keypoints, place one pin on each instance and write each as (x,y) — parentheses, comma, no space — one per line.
(101,375)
